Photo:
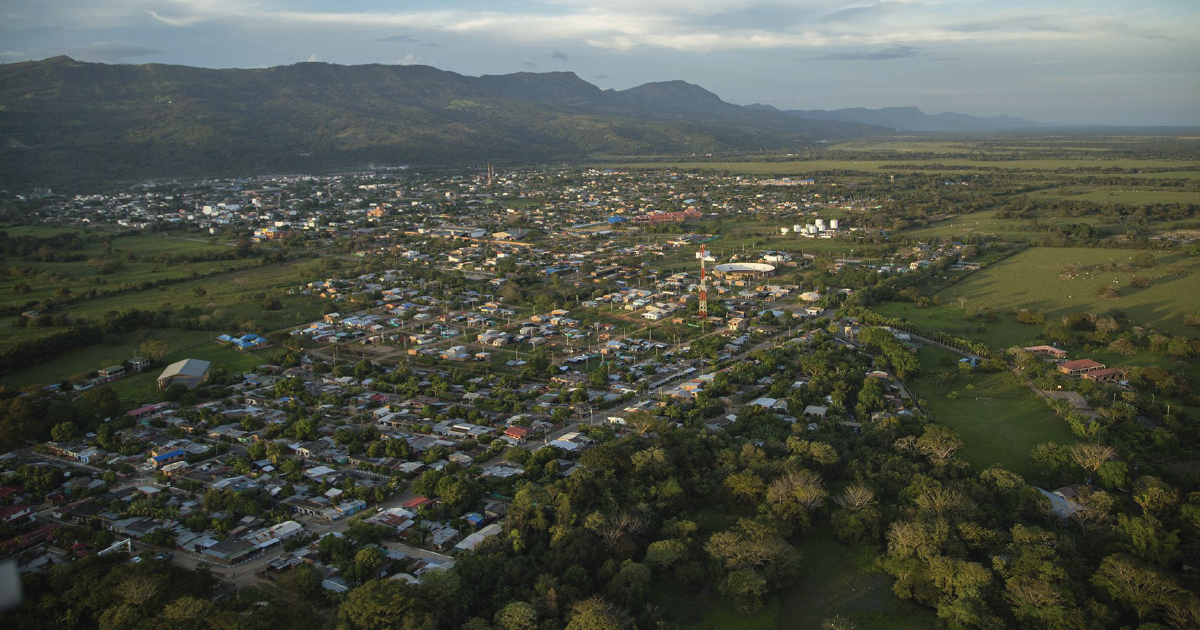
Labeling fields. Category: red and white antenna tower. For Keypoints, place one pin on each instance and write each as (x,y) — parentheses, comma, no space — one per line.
(703,313)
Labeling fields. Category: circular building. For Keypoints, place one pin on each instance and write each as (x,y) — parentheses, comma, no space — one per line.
(743,271)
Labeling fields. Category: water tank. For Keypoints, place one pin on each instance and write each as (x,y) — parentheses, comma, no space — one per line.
(833,224)
(797,228)
(820,225)
(783,231)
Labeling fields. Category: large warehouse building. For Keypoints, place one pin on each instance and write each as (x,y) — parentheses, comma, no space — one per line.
(189,372)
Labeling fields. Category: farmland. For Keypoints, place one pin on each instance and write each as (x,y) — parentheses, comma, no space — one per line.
(1034,279)
(135,260)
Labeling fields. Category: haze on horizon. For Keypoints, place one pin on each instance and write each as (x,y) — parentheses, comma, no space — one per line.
(1104,62)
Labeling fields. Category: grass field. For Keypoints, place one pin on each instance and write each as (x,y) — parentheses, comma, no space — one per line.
(47,278)
(230,297)
(1003,333)
(1033,279)
(986,222)
(841,580)
(999,419)
(892,164)
(1120,194)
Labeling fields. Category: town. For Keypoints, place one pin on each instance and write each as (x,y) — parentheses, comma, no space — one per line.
(423,356)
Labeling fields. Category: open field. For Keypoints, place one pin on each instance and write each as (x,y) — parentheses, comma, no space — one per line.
(1033,279)
(231,297)
(986,222)
(896,164)
(999,419)
(1119,194)
(46,279)
(843,580)
(1003,333)
(138,389)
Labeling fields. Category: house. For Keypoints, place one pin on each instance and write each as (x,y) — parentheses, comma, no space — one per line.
(816,410)
(517,433)
(1107,375)
(1079,367)
(470,542)
(169,457)
(188,372)
(14,513)
(112,371)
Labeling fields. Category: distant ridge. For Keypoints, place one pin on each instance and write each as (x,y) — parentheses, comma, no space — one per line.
(66,122)
(913,119)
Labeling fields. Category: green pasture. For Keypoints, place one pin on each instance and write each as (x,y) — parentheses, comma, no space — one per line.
(898,163)
(986,222)
(998,417)
(46,279)
(231,302)
(40,231)
(1005,332)
(842,580)
(1034,280)
(1134,196)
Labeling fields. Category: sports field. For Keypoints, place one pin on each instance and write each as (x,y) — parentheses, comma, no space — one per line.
(1034,279)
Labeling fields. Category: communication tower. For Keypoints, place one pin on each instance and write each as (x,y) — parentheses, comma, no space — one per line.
(703,313)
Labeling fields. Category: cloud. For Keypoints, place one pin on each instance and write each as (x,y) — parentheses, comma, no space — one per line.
(599,76)
(684,25)
(312,58)
(529,64)
(176,21)
(107,52)
(558,54)
(1049,62)
(895,52)
(397,38)
(407,60)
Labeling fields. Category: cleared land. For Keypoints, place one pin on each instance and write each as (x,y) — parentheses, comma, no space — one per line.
(141,258)
(998,417)
(1034,279)
(1004,332)
(1120,194)
(900,164)
(841,580)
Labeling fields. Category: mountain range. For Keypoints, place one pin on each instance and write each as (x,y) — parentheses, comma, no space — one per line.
(913,119)
(75,124)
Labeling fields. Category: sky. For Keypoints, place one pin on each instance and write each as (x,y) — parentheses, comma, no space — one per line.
(1069,61)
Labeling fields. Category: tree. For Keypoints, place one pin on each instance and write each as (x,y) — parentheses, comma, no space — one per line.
(596,613)
(939,443)
(154,349)
(1090,456)
(745,485)
(367,562)
(517,616)
(64,432)
(755,557)
(1140,282)
(794,496)
(857,516)
(103,402)
(1138,586)
(384,605)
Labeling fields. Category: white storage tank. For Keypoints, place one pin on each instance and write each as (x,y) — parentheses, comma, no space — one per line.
(820,225)
(797,228)
(783,231)
(833,224)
